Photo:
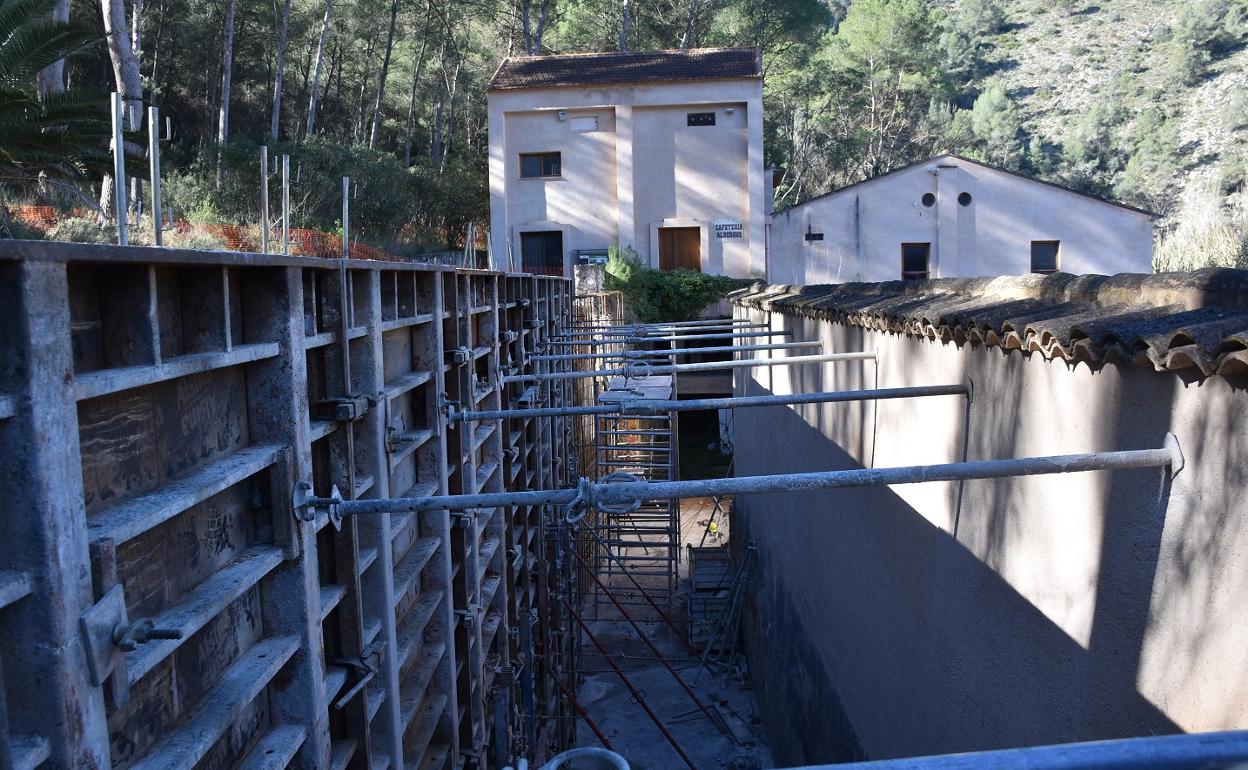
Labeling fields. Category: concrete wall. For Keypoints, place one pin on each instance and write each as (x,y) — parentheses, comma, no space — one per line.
(864,226)
(642,169)
(947,617)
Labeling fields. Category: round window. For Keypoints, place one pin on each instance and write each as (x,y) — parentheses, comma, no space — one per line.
(929,200)
(964,199)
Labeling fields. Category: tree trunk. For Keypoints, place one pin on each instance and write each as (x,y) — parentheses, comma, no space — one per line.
(381,80)
(276,120)
(160,29)
(125,77)
(687,39)
(313,92)
(51,79)
(541,28)
(357,132)
(411,102)
(227,78)
(624,26)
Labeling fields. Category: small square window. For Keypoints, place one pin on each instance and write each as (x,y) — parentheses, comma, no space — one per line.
(700,119)
(535,165)
(1044,256)
(915,258)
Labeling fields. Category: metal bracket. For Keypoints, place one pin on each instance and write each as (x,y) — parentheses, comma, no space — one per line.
(510,335)
(300,498)
(342,409)
(107,634)
(460,356)
(534,323)
(468,615)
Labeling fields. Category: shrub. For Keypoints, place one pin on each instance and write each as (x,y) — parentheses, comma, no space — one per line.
(663,295)
(83,230)
(1208,234)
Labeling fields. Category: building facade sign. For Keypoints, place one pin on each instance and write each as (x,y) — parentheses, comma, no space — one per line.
(729,230)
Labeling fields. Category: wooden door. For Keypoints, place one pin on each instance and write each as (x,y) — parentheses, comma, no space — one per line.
(680,248)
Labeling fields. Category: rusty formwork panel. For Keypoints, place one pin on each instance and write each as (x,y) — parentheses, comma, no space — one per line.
(156,409)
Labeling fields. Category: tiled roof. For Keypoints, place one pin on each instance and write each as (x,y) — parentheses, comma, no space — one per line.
(1170,321)
(618,67)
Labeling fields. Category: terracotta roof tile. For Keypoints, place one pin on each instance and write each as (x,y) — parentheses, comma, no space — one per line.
(1170,320)
(620,67)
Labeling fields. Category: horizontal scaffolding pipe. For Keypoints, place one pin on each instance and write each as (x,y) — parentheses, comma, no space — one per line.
(633,492)
(657,331)
(1198,751)
(634,370)
(666,324)
(672,352)
(681,338)
(662,406)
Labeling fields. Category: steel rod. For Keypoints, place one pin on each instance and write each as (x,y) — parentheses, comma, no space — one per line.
(693,696)
(666,324)
(637,695)
(576,704)
(264,199)
(153,157)
(658,331)
(119,171)
(643,354)
(681,338)
(628,492)
(1198,751)
(656,406)
(633,370)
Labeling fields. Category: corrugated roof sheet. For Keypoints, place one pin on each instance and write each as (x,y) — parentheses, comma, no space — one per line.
(1170,321)
(619,67)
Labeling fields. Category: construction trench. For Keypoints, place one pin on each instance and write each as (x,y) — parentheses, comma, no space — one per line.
(268,511)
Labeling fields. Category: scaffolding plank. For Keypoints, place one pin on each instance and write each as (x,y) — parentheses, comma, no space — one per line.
(195,735)
(130,518)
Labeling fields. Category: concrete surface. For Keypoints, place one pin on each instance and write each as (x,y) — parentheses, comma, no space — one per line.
(945,617)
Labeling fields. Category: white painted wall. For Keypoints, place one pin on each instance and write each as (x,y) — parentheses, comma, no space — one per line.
(643,169)
(864,226)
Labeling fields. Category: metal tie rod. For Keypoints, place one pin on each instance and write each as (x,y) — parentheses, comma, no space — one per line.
(638,369)
(615,493)
(679,338)
(659,406)
(670,353)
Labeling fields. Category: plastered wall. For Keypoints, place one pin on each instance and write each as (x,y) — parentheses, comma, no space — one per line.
(949,617)
(864,226)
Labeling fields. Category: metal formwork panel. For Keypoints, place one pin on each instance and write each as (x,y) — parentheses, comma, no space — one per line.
(157,408)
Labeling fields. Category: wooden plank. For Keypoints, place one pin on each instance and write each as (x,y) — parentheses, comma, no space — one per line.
(132,517)
(415,684)
(330,596)
(401,385)
(408,571)
(8,407)
(418,438)
(414,625)
(201,604)
(424,723)
(335,680)
(29,751)
(319,429)
(14,585)
(195,735)
(401,323)
(275,750)
(341,752)
(103,382)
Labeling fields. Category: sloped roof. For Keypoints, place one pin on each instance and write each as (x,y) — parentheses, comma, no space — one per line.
(1171,321)
(620,67)
(981,164)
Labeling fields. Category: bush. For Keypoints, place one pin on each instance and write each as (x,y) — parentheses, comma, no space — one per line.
(1208,235)
(83,230)
(663,295)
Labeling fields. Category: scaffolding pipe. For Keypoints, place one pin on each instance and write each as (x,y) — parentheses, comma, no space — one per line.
(643,354)
(682,338)
(647,333)
(693,696)
(637,695)
(576,704)
(666,324)
(597,494)
(1198,751)
(641,369)
(657,406)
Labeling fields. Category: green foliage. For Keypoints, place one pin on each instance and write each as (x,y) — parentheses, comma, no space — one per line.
(1149,176)
(995,127)
(83,230)
(1209,233)
(663,295)
(61,138)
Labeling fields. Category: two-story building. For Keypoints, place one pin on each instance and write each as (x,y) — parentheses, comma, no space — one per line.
(660,151)
(953,217)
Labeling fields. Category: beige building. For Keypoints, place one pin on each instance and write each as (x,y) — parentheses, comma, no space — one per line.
(661,151)
(953,217)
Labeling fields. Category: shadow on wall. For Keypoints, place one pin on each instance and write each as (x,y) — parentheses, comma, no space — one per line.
(874,633)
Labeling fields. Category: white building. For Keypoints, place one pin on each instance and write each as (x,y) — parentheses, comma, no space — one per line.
(948,217)
(658,150)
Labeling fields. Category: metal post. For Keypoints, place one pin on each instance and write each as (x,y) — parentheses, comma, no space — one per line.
(646,406)
(640,369)
(119,171)
(286,205)
(346,217)
(631,492)
(264,199)
(153,154)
